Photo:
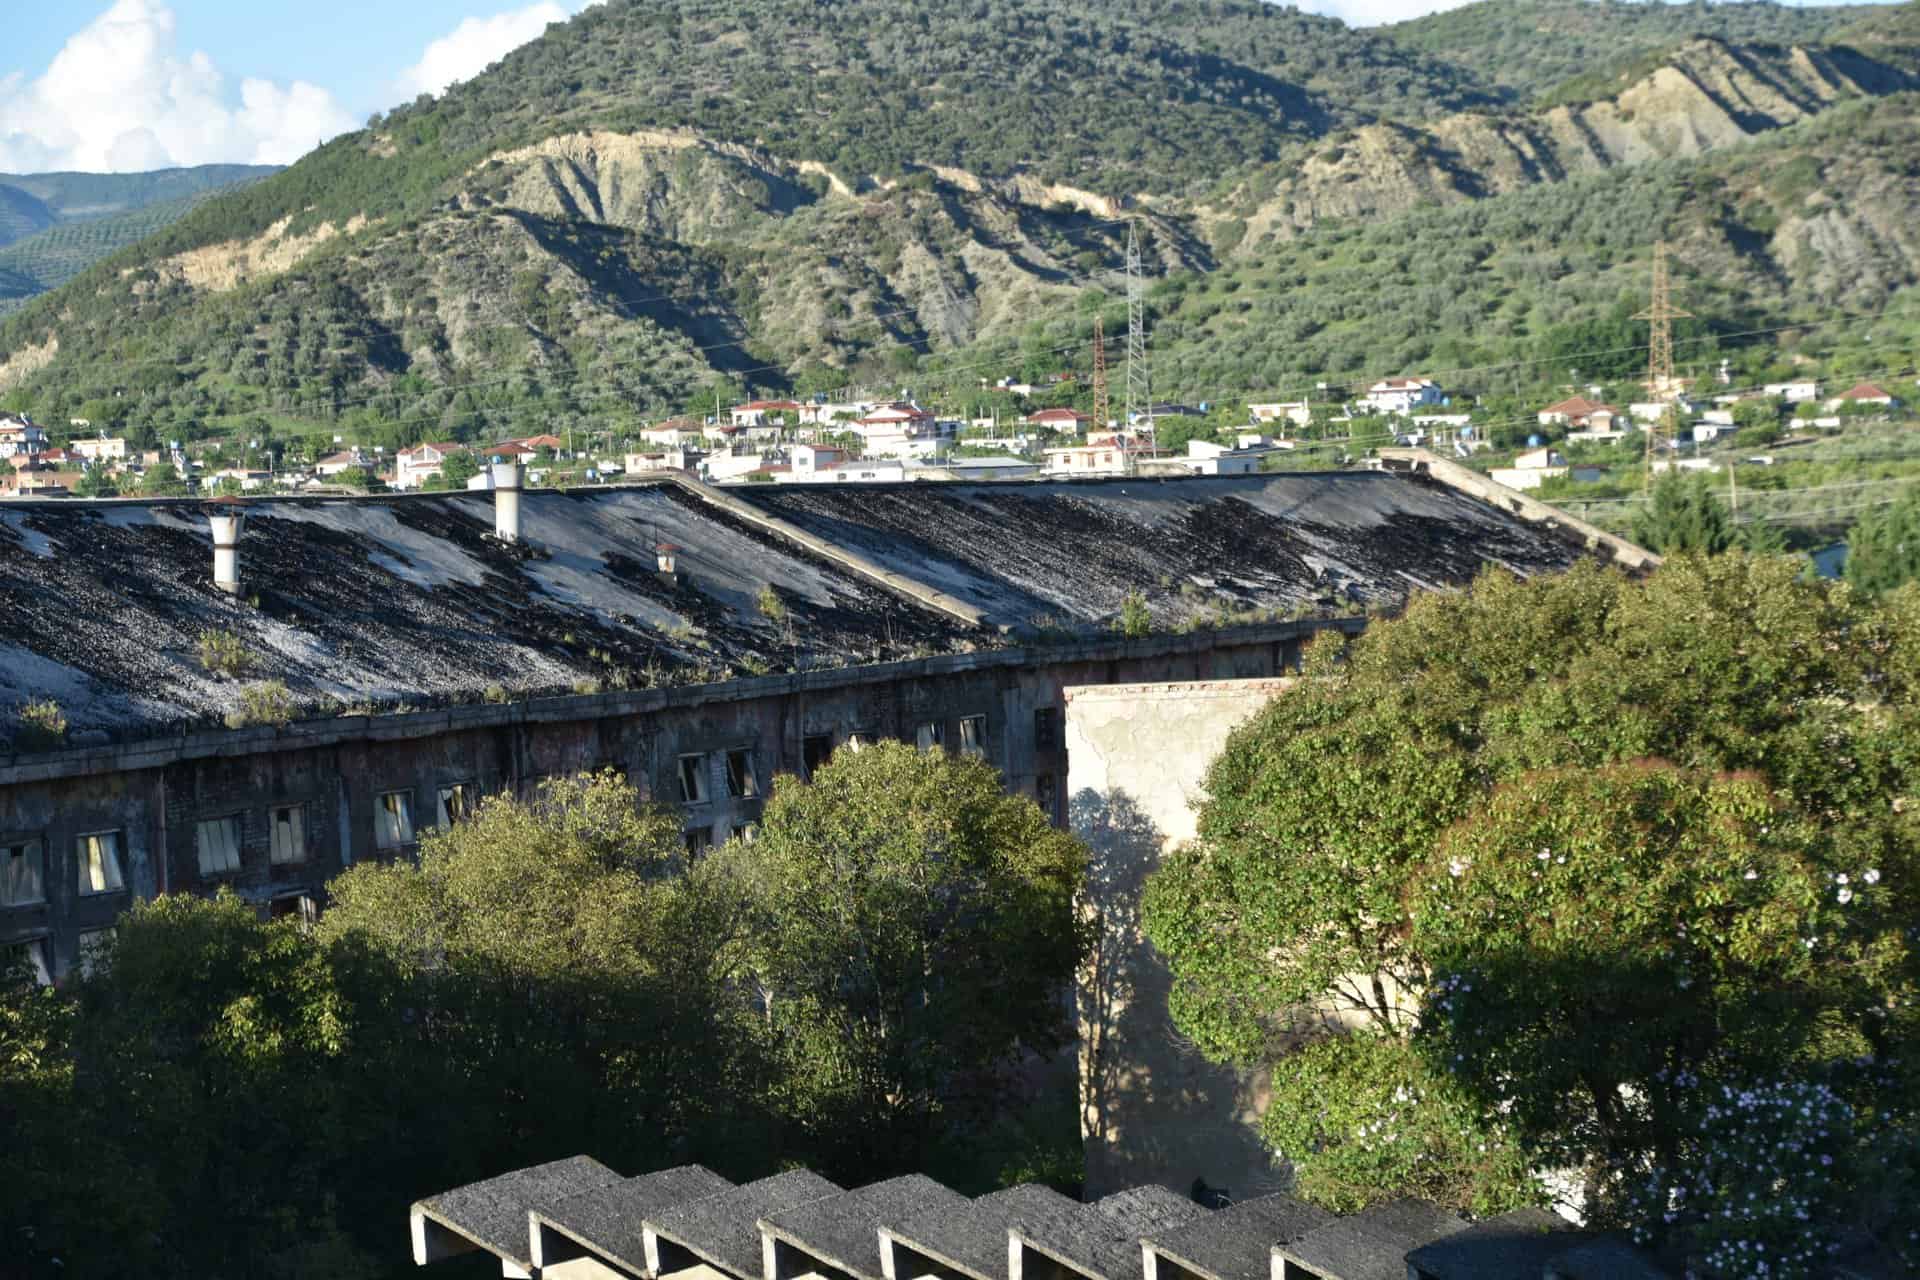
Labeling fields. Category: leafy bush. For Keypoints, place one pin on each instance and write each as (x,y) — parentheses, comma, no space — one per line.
(222,652)
(43,726)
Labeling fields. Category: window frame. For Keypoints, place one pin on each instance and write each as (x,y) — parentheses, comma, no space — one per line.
(930,735)
(697,775)
(465,789)
(239,832)
(380,814)
(298,809)
(39,949)
(978,725)
(82,862)
(807,763)
(696,840)
(1046,728)
(39,872)
(749,787)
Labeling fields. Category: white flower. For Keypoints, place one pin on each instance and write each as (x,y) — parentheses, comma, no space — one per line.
(1456,868)
(1751,875)
(1845,896)
(1841,878)
(1872,876)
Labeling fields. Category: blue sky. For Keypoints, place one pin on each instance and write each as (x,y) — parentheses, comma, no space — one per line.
(141,84)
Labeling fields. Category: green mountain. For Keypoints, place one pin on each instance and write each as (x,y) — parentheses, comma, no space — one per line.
(1523,49)
(55,225)
(807,193)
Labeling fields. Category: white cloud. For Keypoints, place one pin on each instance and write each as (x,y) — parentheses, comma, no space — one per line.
(1373,13)
(119,97)
(476,44)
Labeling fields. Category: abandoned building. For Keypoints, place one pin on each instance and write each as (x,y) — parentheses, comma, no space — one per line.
(259,696)
(576,1219)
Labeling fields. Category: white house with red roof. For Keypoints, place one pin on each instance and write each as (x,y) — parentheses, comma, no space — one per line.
(414,467)
(1403,395)
(760,413)
(1863,393)
(1577,412)
(1071,421)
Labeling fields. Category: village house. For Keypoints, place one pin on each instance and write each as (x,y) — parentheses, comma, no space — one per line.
(1799,391)
(1069,421)
(100,449)
(345,460)
(414,467)
(1580,414)
(1112,453)
(759,413)
(823,413)
(675,433)
(1402,395)
(1530,469)
(1863,393)
(1297,412)
(1210,458)
(20,438)
(249,479)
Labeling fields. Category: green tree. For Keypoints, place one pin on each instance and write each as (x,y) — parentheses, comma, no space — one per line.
(1683,514)
(1312,886)
(95,483)
(572,989)
(913,927)
(1883,550)
(458,469)
(162,480)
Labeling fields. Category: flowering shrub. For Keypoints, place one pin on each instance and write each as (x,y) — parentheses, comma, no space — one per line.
(1761,1183)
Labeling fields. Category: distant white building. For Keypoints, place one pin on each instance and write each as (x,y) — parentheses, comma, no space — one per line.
(1403,395)
(1530,469)
(1207,458)
(414,467)
(20,438)
(1297,412)
(1798,391)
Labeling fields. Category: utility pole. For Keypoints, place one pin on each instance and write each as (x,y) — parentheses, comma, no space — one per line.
(1659,317)
(1139,377)
(1100,405)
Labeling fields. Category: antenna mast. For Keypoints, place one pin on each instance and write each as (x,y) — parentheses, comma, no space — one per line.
(1101,407)
(1139,377)
(1661,384)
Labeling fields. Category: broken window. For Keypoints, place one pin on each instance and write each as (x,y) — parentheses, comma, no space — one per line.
(930,735)
(30,956)
(98,856)
(747,832)
(298,907)
(973,735)
(22,874)
(456,804)
(693,779)
(1046,728)
(217,840)
(741,782)
(698,840)
(96,951)
(289,843)
(393,821)
(815,751)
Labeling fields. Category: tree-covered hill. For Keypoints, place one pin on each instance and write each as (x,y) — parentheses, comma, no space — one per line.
(1522,49)
(74,196)
(22,214)
(802,194)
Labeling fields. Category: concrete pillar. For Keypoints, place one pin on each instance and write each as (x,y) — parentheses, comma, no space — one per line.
(227,523)
(506,501)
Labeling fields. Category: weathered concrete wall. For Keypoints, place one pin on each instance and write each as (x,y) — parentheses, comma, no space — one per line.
(1152,1109)
(156,792)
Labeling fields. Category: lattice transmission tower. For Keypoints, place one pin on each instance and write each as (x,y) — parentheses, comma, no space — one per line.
(1139,376)
(1661,383)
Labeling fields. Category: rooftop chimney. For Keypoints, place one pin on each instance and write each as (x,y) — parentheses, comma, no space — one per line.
(506,501)
(668,555)
(228,516)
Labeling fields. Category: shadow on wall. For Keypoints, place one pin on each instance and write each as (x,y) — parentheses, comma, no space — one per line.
(1152,1108)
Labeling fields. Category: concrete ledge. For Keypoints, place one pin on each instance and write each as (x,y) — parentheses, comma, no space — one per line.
(1475,485)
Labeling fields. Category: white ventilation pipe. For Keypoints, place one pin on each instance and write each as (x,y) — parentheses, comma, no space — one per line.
(227,525)
(506,501)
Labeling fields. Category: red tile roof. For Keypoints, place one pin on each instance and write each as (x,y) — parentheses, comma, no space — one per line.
(1864,391)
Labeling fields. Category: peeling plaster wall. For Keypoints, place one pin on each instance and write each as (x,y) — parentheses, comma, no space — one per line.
(1152,1108)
